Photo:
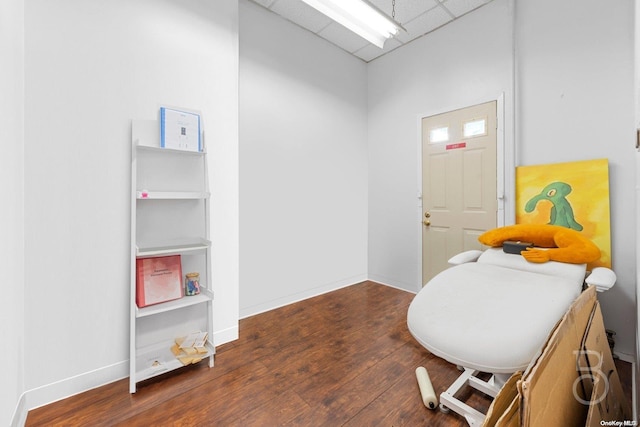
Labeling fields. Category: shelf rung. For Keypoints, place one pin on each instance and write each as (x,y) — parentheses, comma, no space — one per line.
(157,148)
(204,296)
(171,195)
(170,248)
(158,359)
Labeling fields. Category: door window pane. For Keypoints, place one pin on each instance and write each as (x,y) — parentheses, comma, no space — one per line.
(475,128)
(439,134)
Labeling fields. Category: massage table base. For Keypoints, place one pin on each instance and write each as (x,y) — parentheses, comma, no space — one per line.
(449,401)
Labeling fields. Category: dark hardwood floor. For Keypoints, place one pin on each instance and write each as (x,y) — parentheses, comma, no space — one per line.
(343,358)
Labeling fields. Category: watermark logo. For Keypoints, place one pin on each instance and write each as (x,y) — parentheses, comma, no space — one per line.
(592,374)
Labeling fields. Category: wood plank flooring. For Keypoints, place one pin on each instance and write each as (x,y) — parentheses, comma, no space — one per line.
(344,358)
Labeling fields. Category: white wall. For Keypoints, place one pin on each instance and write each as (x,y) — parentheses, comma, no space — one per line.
(575,93)
(91,67)
(303,158)
(464,63)
(11,213)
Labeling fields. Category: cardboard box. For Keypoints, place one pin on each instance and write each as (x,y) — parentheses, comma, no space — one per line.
(511,416)
(505,408)
(571,382)
(599,375)
(547,387)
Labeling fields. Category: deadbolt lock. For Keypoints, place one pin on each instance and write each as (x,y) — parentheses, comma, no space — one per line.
(427,214)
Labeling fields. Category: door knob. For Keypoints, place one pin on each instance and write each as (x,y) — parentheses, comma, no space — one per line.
(426,222)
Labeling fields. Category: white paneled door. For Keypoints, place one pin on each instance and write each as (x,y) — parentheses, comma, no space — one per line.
(459,199)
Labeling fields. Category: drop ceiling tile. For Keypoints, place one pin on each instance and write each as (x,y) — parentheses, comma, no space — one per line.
(265,3)
(418,17)
(406,10)
(302,14)
(424,24)
(343,37)
(460,7)
(384,5)
(370,51)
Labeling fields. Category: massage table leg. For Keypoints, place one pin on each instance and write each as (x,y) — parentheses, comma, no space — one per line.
(449,401)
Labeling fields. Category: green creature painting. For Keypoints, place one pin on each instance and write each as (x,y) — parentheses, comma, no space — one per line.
(573,195)
(561,212)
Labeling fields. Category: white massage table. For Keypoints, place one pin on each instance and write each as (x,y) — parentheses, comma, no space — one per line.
(491,313)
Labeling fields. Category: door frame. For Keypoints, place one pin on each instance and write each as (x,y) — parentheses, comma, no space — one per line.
(505,165)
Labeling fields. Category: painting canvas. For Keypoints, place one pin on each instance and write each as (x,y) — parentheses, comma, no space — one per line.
(573,195)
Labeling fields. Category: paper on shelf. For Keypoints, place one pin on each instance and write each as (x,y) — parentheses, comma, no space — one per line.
(194,339)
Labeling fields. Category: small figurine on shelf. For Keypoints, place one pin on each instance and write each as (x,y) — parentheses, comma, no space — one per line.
(192,284)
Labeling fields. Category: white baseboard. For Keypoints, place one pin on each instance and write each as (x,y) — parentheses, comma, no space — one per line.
(59,390)
(226,335)
(630,358)
(413,288)
(300,296)
(20,414)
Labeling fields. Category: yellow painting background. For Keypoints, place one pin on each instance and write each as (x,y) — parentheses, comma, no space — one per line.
(589,199)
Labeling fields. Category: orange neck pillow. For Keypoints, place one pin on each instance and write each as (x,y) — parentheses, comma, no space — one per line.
(566,245)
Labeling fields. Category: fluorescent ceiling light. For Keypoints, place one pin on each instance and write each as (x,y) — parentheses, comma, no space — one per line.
(359,16)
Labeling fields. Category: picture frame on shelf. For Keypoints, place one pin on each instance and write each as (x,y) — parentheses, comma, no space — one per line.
(180,130)
(159,279)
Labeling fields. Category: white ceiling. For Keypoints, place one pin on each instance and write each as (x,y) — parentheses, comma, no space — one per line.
(418,17)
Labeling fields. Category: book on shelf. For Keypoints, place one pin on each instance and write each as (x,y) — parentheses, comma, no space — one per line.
(180,130)
(159,279)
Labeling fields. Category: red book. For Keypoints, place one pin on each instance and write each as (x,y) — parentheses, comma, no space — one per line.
(159,280)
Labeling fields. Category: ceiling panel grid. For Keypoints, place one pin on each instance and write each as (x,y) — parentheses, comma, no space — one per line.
(418,17)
